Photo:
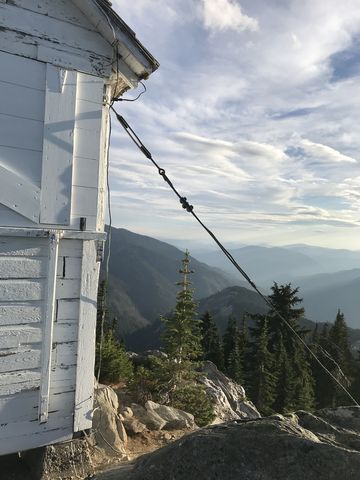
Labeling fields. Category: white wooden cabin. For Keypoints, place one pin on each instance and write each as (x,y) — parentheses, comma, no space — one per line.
(61,63)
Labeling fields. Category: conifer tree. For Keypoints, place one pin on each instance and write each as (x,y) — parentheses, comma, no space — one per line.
(172,380)
(112,363)
(263,382)
(285,301)
(284,396)
(290,362)
(339,343)
(304,384)
(182,337)
(210,341)
(342,359)
(233,352)
(324,387)
(355,386)
(230,334)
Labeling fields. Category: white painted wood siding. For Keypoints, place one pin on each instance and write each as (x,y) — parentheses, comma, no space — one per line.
(52,145)
(23,281)
(54,31)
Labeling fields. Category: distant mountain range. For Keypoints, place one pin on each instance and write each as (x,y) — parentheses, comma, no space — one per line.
(143,279)
(284,264)
(237,302)
(323,288)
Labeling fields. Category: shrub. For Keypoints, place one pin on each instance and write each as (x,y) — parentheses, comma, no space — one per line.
(192,398)
(115,363)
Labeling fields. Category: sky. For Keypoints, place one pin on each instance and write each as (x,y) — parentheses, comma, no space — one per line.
(254,115)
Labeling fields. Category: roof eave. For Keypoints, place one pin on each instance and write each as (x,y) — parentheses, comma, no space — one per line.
(129,50)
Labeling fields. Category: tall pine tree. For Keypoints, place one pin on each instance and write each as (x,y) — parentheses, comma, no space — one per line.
(263,380)
(181,336)
(290,365)
(210,341)
(233,351)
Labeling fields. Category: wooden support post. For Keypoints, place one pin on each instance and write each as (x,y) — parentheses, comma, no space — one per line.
(48,327)
(84,394)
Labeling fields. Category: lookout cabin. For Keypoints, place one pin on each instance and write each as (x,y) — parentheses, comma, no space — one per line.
(62,62)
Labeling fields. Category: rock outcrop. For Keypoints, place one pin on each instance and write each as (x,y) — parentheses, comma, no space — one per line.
(228,397)
(321,446)
(108,428)
(154,416)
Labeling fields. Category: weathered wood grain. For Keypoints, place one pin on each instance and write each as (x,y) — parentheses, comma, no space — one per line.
(20,313)
(86,339)
(70,248)
(21,290)
(66,288)
(84,200)
(87,145)
(17,429)
(86,172)
(13,158)
(90,89)
(57,432)
(65,354)
(61,9)
(23,406)
(65,332)
(16,360)
(22,267)
(13,337)
(21,102)
(31,137)
(42,26)
(69,267)
(103,168)
(35,71)
(88,115)
(17,246)
(9,217)
(67,310)
(48,326)
(15,382)
(19,194)
(57,147)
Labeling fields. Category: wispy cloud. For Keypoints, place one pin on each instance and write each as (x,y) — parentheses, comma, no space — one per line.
(325,153)
(246,117)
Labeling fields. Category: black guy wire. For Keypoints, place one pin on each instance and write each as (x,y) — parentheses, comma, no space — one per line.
(189,208)
(120,99)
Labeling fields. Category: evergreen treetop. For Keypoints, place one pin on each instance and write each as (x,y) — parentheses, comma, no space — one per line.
(181,336)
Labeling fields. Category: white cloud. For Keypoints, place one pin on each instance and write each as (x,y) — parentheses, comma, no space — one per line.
(243,124)
(221,15)
(325,153)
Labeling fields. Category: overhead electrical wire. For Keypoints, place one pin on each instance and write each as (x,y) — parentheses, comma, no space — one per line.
(190,209)
(120,99)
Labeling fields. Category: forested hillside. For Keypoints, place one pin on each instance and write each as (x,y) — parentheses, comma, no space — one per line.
(143,273)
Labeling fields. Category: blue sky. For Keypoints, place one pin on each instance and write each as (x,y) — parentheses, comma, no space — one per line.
(254,114)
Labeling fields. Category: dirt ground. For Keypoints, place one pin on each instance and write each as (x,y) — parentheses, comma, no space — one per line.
(86,462)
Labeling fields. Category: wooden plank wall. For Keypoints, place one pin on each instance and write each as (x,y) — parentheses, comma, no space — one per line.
(52,31)
(89,149)
(23,268)
(56,29)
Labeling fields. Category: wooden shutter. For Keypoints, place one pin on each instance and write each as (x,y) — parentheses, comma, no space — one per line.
(37,117)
